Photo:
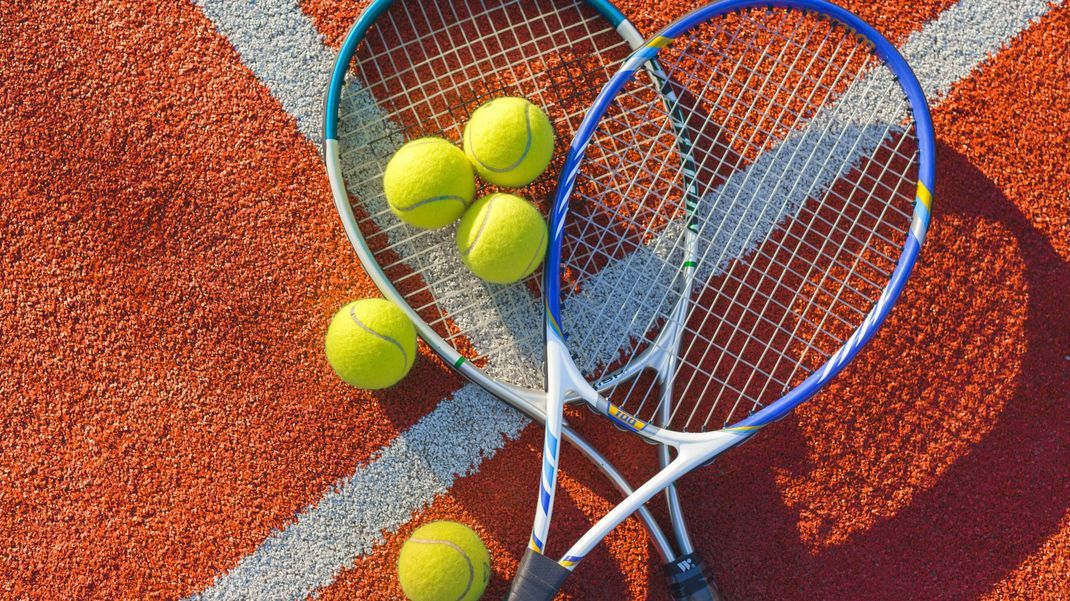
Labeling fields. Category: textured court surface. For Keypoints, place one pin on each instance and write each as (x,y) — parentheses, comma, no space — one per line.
(170,259)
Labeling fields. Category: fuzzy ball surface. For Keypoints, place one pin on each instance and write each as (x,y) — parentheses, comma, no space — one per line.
(429,183)
(502,238)
(371,343)
(444,561)
(510,141)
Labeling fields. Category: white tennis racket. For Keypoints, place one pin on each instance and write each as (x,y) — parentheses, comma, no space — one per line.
(715,261)
(409,69)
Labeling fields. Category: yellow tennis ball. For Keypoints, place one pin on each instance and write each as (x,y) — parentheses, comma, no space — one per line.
(371,343)
(443,561)
(509,141)
(502,238)
(429,183)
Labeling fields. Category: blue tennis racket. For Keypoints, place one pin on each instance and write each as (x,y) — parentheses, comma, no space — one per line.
(716,260)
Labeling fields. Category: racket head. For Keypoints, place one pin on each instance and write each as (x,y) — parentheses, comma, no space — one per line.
(408,69)
(809,142)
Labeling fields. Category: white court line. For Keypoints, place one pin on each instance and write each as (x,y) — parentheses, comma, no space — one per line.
(379,497)
(278,43)
(281,46)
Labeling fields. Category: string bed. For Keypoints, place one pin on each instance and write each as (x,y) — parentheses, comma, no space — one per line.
(775,227)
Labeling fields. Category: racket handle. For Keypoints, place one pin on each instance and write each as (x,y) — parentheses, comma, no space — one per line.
(538,578)
(687,580)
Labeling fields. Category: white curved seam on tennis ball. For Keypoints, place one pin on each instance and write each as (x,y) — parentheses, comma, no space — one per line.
(423,142)
(535,255)
(523,155)
(426,201)
(455,547)
(482,226)
(384,337)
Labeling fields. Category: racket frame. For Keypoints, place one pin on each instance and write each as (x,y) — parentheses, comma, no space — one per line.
(697,448)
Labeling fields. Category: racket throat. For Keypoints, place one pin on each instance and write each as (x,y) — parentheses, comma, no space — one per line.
(662,355)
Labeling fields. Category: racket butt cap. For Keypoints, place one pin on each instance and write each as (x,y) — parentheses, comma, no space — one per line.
(537,579)
(687,580)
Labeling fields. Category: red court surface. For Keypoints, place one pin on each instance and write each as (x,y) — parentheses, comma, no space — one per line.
(170,259)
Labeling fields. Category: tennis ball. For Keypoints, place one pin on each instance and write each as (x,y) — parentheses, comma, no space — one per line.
(429,183)
(510,141)
(371,343)
(502,238)
(443,561)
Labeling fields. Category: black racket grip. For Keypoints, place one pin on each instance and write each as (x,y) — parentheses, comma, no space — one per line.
(687,580)
(538,578)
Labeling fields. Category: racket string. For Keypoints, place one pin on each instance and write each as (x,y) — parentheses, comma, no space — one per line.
(778,285)
(872,231)
(705,85)
(606,253)
(407,88)
(446,112)
(827,287)
(618,215)
(718,101)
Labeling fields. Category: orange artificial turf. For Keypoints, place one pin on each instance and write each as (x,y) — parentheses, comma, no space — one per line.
(170,262)
(170,258)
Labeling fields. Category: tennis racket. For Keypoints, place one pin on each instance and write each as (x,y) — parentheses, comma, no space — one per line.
(731,281)
(409,69)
